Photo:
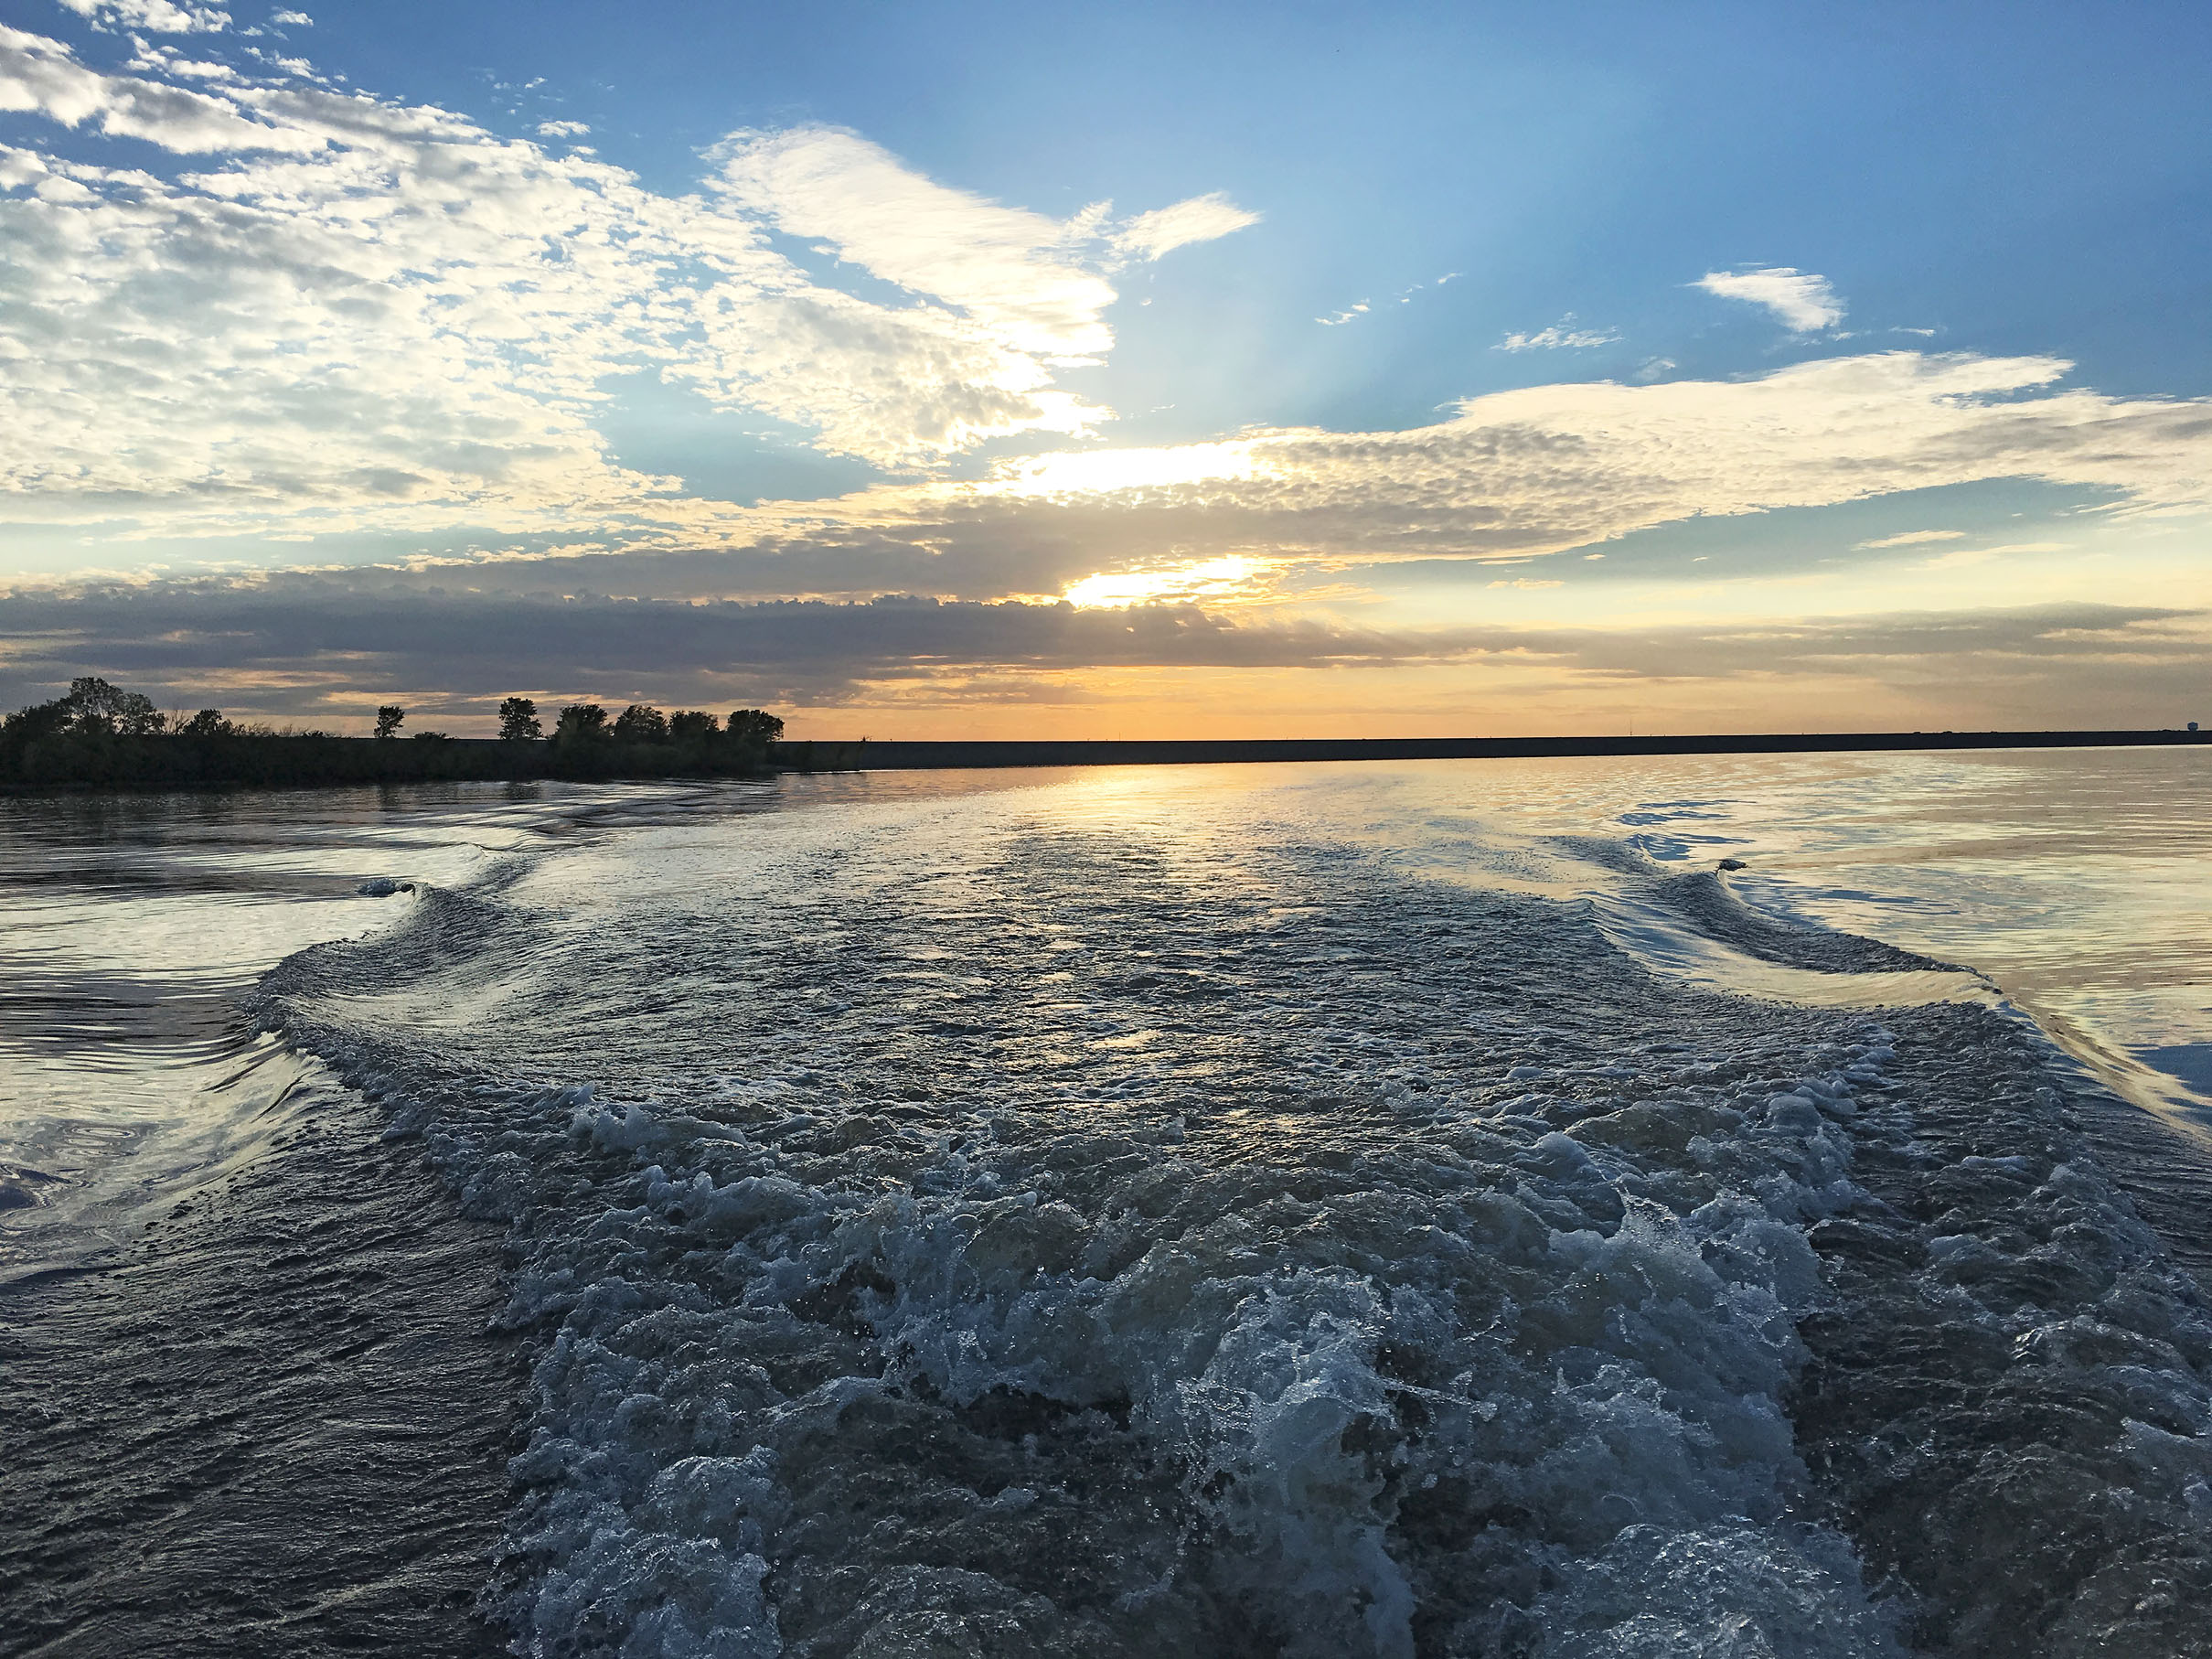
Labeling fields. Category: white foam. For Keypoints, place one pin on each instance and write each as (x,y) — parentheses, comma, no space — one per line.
(1430,1265)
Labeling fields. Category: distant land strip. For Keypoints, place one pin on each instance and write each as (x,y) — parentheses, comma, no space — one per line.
(862,756)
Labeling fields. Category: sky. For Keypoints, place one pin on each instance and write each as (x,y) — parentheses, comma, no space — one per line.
(996,370)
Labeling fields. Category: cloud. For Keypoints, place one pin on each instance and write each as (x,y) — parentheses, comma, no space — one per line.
(1956,646)
(563,129)
(1801,299)
(292,20)
(1548,468)
(1915,537)
(325,636)
(378,317)
(1561,334)
(1230,575)
(1025,278)
(155,17)
(43,77)
(308,645)
(1010,269)
(1363,308)
(368,314)
(1203,219)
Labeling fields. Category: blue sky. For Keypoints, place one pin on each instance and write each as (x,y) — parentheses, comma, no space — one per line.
(1422,352)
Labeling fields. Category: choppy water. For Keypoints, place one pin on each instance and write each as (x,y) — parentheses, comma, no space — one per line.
(1395,1210)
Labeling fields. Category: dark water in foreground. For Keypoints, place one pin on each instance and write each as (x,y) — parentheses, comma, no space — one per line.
(1354,1211)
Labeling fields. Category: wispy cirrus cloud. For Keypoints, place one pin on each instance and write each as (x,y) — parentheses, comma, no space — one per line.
(1404,297)
(1562,334)
(1015,272)
(1805,302)
(1915,538)
(1202,219)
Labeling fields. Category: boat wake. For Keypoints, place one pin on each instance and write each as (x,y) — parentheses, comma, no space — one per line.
(984,1225)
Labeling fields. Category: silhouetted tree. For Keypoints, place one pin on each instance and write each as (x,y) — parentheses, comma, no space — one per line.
(519,720)
(38,723)
(95,706)
(641,724)
(580,723)
(756,726)
(92,705)
(100,736)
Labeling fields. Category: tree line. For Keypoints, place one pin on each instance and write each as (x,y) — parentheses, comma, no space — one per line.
(99,734)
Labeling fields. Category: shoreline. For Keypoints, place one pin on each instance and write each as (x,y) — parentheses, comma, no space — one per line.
(900,754)
(280,762)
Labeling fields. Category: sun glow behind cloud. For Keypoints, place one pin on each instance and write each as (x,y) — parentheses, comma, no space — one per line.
(1231,576)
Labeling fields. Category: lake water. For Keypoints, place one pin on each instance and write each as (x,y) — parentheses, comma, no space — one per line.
(1423,1209)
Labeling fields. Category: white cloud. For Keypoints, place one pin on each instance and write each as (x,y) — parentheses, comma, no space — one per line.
(1916,537)
(1006,267)
(155,17)
(1561,334)
(371,313)
(1036,284)
(292,20)
(43,77)
(563,129)
(1203,219)
(1551,468)
(1805,302)
(1343,316)
(363,315)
